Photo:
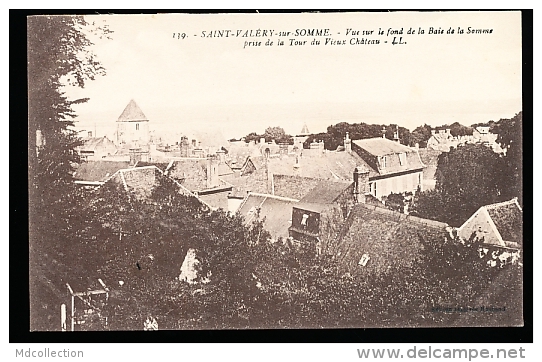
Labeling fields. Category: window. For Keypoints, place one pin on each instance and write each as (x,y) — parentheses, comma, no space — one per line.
(402,159)
(364,259)
(372,188)
(383,161)
(304,220)
(137,126)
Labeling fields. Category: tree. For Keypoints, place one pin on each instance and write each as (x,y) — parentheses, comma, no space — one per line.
(58,54)
(511,139)
(468,177)
(278,135)
(420,135)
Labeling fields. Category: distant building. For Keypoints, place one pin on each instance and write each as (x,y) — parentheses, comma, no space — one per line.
(441,140)
(96,148)
(202,176)
(300,138)
(132,127)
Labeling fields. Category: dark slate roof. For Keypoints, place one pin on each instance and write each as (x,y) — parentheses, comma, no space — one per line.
(276,213)
(508,219)
(326,192)
(391,240)
(98,171)
(132,113)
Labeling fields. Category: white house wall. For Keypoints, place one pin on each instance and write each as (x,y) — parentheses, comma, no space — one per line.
(397,184)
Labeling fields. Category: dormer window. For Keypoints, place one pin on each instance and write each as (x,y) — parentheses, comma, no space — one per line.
(383,162)
(402,159)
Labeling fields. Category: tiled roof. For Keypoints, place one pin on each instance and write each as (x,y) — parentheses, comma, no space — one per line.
(98,171)
(390,240)
(508,219)
(382,146)
(190,172)
(293,187)
(90,143)
(218,200)
(329,165)
(132,113)
(275,212)
(387,157)
(224,170)
(326,192)
(161,165)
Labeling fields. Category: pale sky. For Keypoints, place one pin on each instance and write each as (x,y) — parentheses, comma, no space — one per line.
(214,84)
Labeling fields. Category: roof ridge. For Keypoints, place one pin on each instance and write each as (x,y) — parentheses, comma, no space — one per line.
(503,203)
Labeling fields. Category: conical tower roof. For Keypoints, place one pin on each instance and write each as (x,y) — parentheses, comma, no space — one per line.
(305,129)
(132,113)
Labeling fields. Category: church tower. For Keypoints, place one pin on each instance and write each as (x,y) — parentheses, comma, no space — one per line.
(132,127)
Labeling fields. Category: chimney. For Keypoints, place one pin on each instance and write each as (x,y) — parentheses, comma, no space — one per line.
(221,156)
(396,135)
(184,147)
(135,156)
(433,132)
(89,134)
(212,172)
(347,143)
(297,166)
(262,140)
(361,184)
(383,132)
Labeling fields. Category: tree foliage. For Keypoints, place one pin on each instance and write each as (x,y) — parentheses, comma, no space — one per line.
(467,178)
(276,134)
(58,53)
(511,139)
(334,137)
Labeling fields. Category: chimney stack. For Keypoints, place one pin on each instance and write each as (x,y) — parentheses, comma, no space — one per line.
(221,156)
(361,184)
(184,147)
(212,172)
(396,135)
(89,134)
(262,140)
(347,143)
(383,132)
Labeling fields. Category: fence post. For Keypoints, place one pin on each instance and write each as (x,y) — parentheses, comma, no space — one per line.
(63,317)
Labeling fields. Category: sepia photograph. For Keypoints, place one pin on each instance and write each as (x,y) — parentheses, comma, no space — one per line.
(264,171)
